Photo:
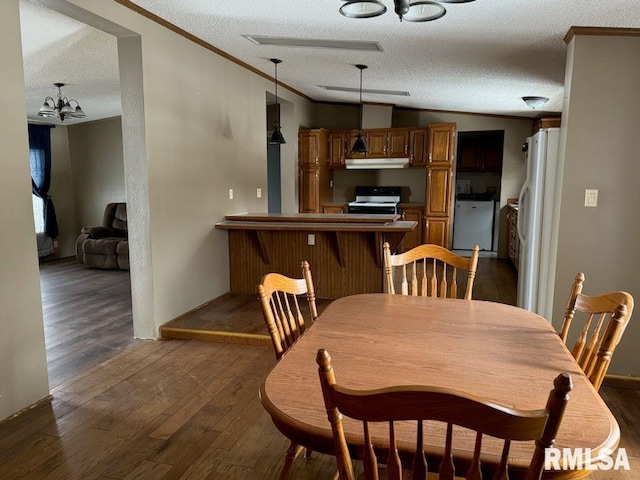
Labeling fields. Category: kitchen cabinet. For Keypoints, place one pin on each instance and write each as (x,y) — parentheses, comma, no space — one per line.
(442,137)
(513,242)
(438,192)
(314,176)
(335,208)
(418,147)
(377,143)
(414,213)
(436,231)
(480,151)
(398,142)
(337,149)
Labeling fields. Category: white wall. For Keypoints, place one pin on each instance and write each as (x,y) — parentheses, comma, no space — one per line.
(23,368)
(600,150)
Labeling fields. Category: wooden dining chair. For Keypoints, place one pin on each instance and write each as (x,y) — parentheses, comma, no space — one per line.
(278,296)
(433,271)
(605,320)
(423,403)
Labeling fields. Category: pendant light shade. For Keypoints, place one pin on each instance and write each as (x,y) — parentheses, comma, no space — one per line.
(276,135)
(360,146)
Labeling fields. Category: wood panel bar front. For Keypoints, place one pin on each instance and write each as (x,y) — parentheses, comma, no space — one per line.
(345,257)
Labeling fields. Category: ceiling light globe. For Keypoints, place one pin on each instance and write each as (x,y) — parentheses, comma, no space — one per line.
(363,9)
(424,11)
(535,102)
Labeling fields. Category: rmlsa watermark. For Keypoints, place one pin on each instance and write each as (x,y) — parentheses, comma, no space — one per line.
(582,459)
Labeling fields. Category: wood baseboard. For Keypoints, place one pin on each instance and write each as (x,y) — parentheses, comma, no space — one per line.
(43,401)
(168,333)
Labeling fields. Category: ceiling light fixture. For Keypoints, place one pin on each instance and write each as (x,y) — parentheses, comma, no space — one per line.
(61,107)
(416,11)
(535,102)
(359,146)
(276,136)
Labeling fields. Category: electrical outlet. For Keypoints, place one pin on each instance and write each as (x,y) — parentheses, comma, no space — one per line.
(259,192)
(231,194)
(591,198)
(311,239)
(55,244)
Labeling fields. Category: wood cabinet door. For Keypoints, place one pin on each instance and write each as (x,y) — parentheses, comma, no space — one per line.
(309,147)
(441,143)
(438,193)
(309,191)
(469,154)
(436,231)
(337,151)
(414,237)
(398,141)
(493,151)
(334,209)
(418,147)
(376,143)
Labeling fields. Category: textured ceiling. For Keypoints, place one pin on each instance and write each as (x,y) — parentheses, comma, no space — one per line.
(480,57)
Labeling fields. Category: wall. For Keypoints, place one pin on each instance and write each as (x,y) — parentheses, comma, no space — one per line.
(178,177)
(600,149)
(61,192)
(23,368)
(97,166)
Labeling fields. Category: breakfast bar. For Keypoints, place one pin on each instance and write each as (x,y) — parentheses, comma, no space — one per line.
(344,250)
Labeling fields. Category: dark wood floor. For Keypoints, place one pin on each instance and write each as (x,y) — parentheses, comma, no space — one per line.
(87,316)
(186,410)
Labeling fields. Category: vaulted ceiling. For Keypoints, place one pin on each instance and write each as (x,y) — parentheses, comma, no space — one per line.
(481,57)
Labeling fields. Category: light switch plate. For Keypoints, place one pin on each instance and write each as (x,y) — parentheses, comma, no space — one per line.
(231,194)
(311,239)
(591,197)
(259,192)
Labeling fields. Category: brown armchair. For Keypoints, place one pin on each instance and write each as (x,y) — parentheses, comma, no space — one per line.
(106,245)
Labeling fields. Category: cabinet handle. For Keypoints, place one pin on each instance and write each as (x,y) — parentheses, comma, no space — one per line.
(403,217)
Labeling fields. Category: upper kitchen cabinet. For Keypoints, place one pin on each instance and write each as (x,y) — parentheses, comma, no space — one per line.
(480,151)
(398,141)
(337,148)
(418,147)
(441,138)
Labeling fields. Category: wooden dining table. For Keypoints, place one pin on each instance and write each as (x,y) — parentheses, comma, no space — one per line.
(498,352)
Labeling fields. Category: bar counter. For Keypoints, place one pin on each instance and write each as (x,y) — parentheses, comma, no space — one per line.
(343,250)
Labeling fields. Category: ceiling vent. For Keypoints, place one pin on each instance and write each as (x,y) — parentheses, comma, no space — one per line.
(366,90)
(315,43)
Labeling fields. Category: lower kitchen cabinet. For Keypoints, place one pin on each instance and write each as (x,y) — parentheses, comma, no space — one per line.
(436,231)
(412,213)
(334,208)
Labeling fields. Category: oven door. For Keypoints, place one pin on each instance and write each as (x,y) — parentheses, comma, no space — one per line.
(372,210)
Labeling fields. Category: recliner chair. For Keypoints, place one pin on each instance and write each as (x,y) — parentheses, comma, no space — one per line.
(106,246)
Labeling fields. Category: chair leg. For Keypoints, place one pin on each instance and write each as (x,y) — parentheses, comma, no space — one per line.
(292,452)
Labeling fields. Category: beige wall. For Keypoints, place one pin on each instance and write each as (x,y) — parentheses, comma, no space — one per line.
(600,149)
(98,169)
(23,368)
(61,192)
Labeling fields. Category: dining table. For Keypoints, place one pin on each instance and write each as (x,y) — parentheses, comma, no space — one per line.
(498,352)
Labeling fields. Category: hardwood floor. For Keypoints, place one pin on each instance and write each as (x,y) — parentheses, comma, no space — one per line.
(186,410)
(87,316)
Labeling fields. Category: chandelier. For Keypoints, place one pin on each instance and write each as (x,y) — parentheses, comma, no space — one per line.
(61,107)
(411,11)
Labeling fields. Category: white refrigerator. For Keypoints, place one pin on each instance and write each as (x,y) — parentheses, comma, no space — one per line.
(537,230)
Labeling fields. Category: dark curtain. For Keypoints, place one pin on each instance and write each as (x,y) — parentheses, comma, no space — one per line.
(40,161)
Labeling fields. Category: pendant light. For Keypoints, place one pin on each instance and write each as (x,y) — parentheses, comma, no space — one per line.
(276,135)
(359,146)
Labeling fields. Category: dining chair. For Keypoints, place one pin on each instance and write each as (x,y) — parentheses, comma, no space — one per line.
(451,407)
(605,320)
(278,296)
(429,263)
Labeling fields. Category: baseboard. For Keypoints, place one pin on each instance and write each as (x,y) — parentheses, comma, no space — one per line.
(43,401)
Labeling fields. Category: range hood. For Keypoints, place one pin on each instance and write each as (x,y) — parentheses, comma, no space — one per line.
(375,163)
